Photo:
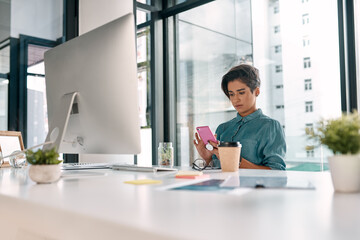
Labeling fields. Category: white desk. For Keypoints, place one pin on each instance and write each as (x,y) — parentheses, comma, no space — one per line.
(103,207)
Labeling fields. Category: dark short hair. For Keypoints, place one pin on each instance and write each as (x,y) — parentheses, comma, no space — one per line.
(244,73)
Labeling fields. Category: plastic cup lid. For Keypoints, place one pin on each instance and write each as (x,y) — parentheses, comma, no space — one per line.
(229,144)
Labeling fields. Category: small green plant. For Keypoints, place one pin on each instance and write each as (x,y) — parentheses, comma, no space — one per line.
(341,135)
(42,157)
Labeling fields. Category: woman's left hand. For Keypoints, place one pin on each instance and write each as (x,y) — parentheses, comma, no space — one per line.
(215,148)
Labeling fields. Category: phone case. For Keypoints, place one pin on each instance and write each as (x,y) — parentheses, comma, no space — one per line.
(205,134)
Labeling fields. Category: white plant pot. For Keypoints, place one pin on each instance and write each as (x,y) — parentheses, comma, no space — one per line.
(345,172)
(45,173)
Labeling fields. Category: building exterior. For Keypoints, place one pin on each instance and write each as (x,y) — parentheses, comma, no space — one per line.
(298,58)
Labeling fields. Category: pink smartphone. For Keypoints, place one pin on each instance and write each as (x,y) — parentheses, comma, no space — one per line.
(205,134)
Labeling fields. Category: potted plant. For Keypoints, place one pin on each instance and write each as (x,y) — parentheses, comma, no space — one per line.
(342,137)
(45,167)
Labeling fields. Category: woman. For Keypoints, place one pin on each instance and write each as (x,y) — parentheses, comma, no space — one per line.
(262,138)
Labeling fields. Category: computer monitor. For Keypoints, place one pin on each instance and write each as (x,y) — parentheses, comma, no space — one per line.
(92,91)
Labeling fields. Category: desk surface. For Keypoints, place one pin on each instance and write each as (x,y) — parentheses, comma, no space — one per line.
(96,204)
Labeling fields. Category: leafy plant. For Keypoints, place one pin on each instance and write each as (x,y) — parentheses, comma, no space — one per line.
(341,135)
(42,157)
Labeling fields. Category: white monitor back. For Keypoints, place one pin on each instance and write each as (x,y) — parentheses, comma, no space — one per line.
(100,67)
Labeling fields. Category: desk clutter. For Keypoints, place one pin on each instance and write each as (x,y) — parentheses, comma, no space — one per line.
(191,175)
(179,174)
(234,182)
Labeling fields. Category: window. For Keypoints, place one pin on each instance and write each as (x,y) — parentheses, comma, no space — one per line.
(357,47)
(277,48)
(309,127)
(277,29)
(142,16)
(309,106)
(276,9)
(310,153)
(199,68)
(143,75)
(37,118)
(305,19)
(144,83)
(306,41)
(307,62)
(308,85)
(199,98)
(4,83)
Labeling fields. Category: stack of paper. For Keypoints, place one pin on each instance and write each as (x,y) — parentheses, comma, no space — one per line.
(191,175)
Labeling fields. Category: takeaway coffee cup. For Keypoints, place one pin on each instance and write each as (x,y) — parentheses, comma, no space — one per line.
(229,153)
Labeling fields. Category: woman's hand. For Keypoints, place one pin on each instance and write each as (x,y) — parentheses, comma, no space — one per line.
(215,148)
(203,151)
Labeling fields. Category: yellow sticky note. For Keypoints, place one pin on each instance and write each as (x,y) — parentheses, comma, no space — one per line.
(144,181)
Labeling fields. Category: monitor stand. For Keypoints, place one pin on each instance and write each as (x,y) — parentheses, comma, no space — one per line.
(61,121)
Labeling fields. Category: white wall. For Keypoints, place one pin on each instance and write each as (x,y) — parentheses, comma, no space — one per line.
(37,18)
(93,14)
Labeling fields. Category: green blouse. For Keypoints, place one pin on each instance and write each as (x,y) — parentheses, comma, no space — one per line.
(262,139)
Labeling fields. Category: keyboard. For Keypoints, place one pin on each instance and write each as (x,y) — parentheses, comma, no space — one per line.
(130,167)
(81,166)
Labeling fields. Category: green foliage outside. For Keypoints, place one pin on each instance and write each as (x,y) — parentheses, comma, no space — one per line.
(42,157)
(341,135)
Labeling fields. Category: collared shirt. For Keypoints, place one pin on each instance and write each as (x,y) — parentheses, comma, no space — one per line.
(262,139)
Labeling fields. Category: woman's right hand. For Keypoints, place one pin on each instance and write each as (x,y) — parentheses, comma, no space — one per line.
(202,150)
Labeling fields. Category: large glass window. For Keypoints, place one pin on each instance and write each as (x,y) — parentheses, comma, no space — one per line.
(211,39)
(357,44)
(314,66)
(216,36)
(143,63)
(37,119)
(4,86)
(4,83)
